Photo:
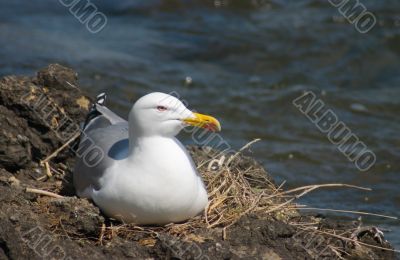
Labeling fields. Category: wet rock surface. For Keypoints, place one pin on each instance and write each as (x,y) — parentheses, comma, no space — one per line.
(40,114)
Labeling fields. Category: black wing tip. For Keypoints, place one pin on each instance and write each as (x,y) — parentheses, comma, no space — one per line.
(93,113)
(101,98)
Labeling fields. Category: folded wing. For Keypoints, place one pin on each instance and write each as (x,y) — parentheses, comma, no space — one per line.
(104,140)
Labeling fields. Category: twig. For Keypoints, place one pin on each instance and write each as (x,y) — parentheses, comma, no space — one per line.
(48,172)
(317,186)
(41,178)
(55,153)
(103,229)
(72,85)
(242,149)
(351,240)
(335,250)
(348,211)
(224,236)
(307,189)
(311,188)
(279,187)
(280,206)
(304,224)
(248,210)
(43,192)
(206,212)
(62,226)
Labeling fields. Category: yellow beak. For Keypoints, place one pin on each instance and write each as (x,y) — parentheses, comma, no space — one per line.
(204,121)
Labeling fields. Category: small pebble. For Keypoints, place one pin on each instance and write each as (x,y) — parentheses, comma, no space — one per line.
(215,167)
(14,218)
(188,80)
(22,138)
(217,3)
(358,107)
(14,181)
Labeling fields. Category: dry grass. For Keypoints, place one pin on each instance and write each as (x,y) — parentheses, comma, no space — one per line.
(233,192)
(235,189)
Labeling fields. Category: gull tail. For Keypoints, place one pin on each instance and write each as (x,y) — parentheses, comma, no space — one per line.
(93,112)
(99,116)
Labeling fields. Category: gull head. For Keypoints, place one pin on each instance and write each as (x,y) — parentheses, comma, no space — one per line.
(164,115)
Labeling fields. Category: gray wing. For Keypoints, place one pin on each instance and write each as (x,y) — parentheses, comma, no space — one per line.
(103,141)
(100,117)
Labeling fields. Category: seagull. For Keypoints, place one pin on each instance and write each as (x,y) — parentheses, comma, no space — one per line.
(144,175)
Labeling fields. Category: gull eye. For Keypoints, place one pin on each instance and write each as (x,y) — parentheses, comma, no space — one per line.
(161,108)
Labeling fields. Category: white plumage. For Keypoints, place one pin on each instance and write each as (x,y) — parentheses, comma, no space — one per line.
(146,175)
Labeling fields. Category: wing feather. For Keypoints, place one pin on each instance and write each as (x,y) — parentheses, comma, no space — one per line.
(108,133)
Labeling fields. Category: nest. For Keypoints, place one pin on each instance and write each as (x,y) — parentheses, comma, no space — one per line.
(237,186)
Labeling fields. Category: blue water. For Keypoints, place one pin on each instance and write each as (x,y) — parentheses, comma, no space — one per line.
(247,60)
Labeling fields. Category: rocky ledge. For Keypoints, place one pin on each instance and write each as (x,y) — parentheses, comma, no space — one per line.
(35,225)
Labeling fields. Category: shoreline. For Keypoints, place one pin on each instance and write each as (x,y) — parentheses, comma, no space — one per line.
(36,226)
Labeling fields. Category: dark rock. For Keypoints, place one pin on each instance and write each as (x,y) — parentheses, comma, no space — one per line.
(36,120)
(79,216)
(57,77)
(13,137)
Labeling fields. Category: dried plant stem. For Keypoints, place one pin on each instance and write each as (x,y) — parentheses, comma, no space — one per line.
(41,178)
(48,172)
(349,239)
(55,153)
(317,186)
(43,192)
(346,211)
(103,229)
(254,205)
(242,149)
